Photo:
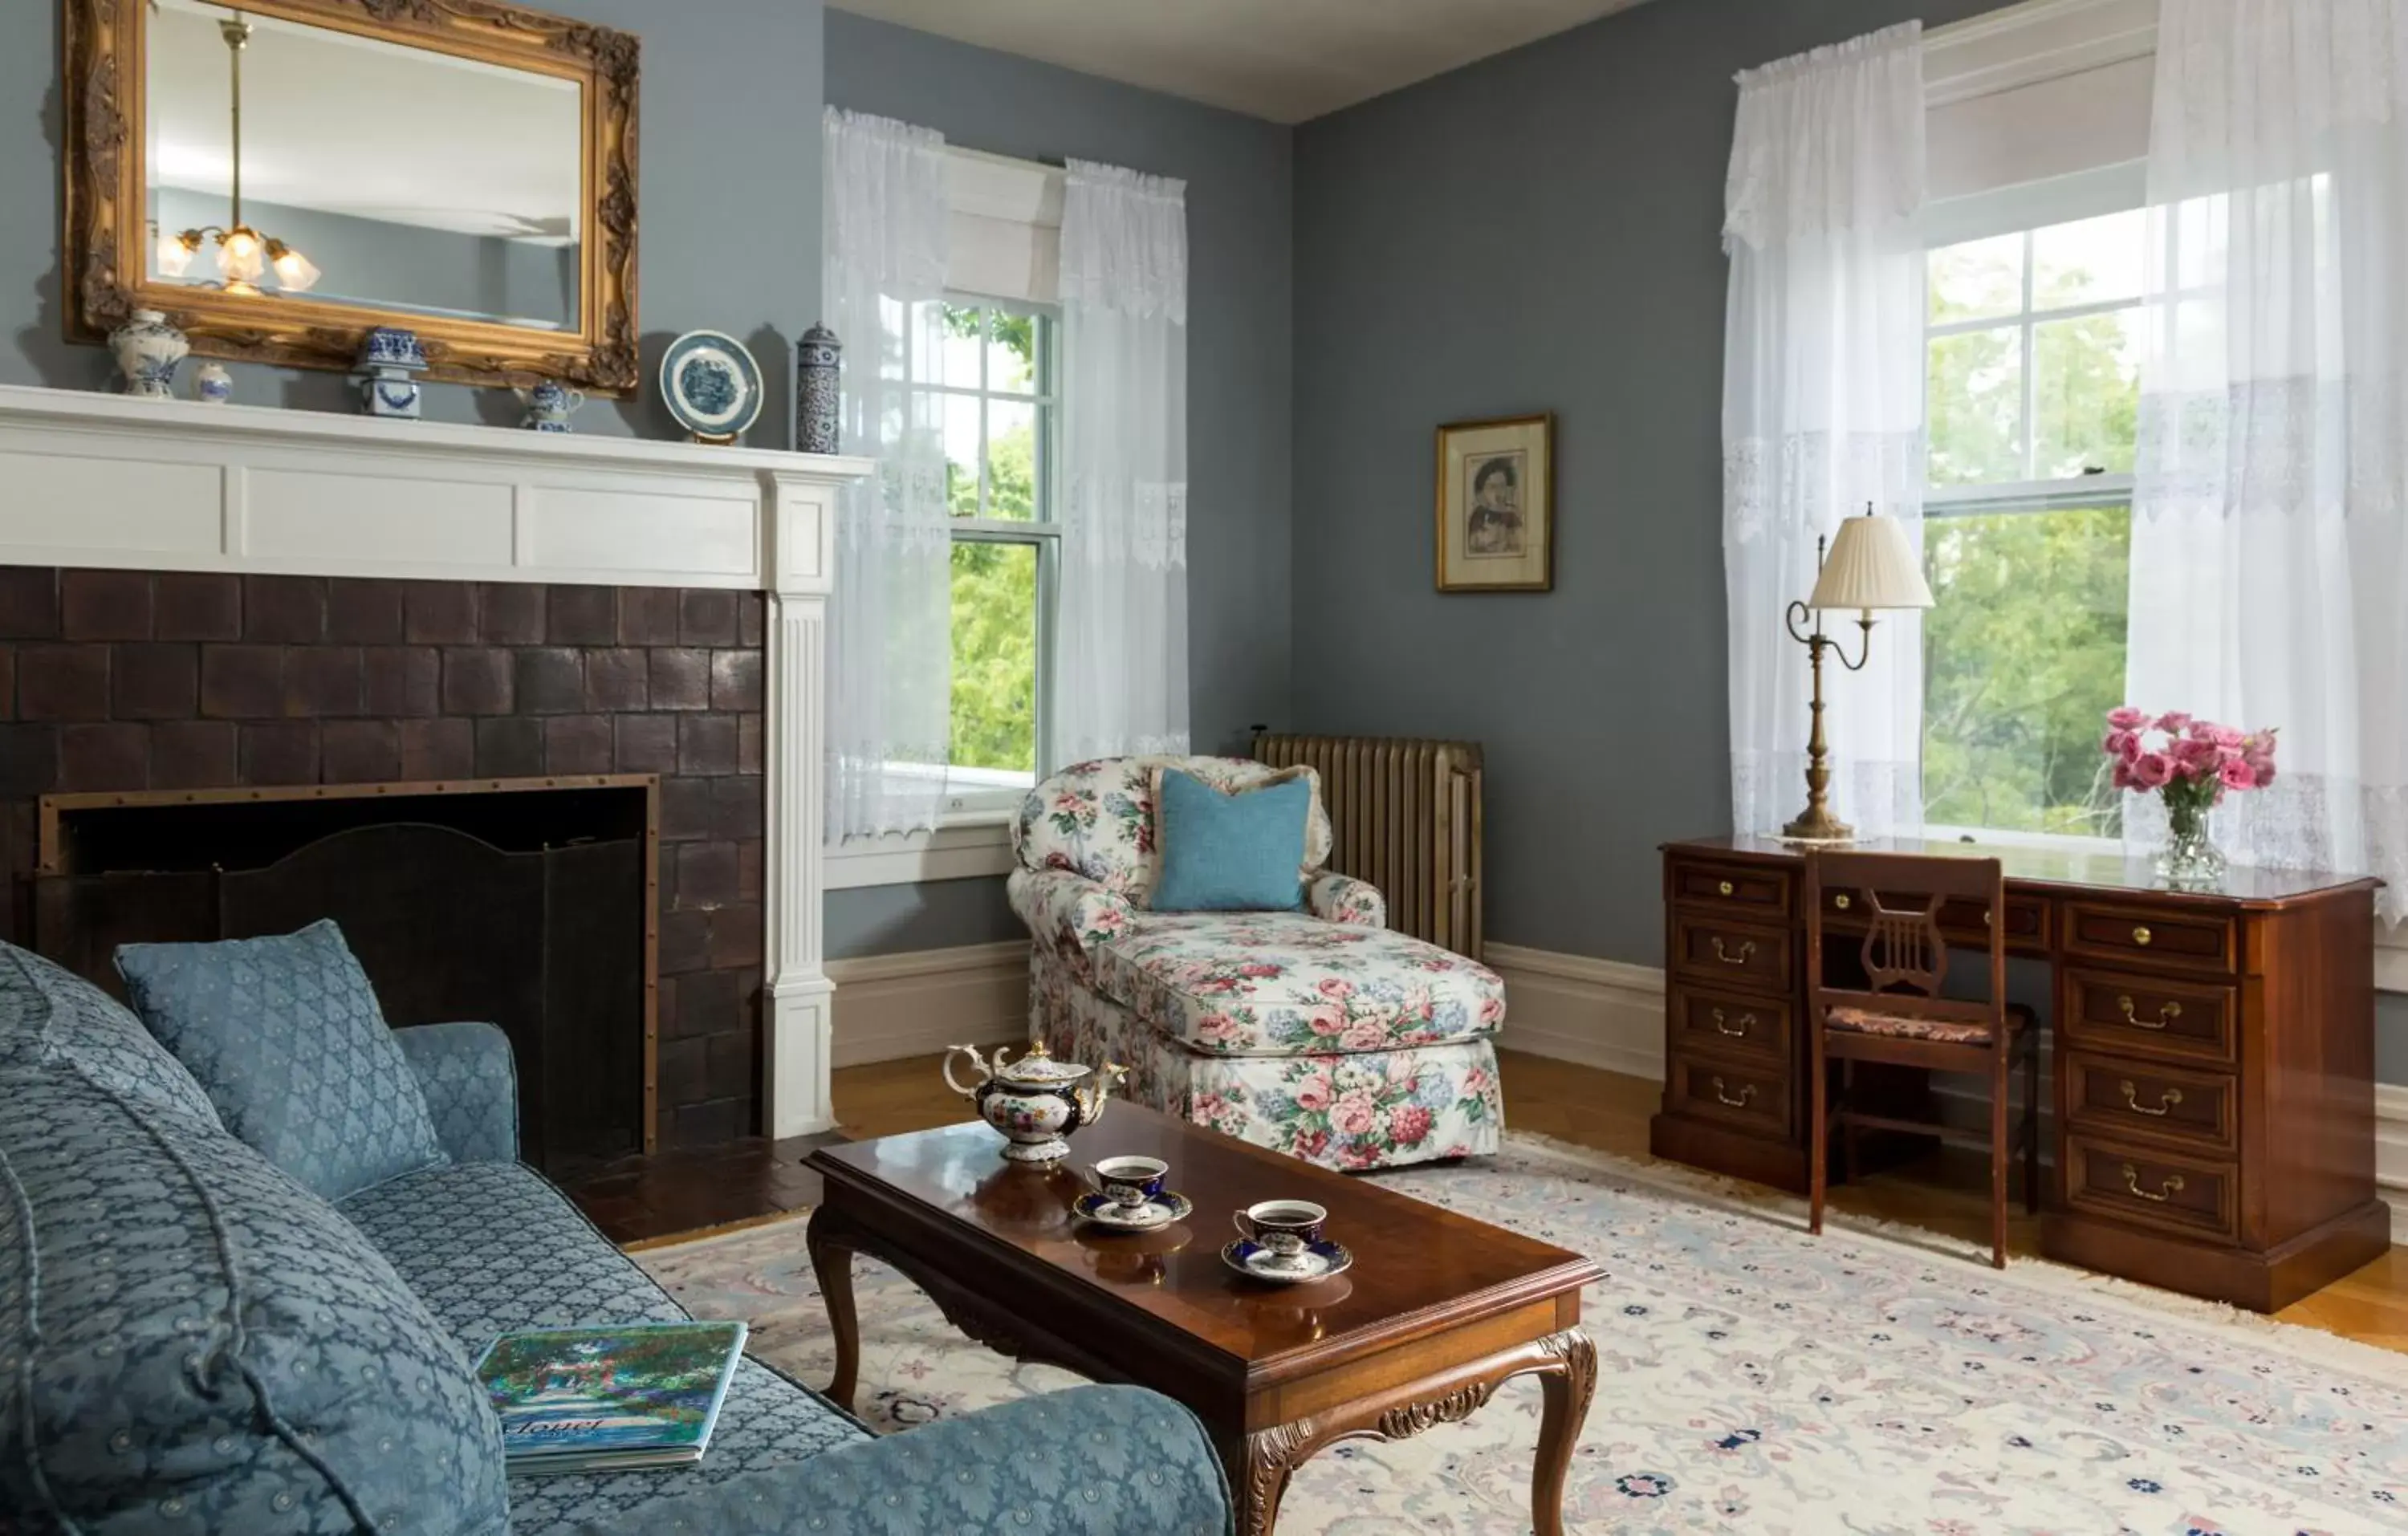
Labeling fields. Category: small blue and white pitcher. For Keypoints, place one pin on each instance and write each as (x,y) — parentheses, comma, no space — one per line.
(549,406)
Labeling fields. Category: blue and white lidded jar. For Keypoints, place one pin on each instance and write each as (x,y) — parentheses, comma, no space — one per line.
(389,358)
(147,348)
(212,384)
(820,360)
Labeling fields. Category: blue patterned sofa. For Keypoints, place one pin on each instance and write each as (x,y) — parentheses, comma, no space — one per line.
(191,1342)
(1317,1032)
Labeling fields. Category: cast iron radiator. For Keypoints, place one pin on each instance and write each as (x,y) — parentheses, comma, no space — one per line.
(1406,817)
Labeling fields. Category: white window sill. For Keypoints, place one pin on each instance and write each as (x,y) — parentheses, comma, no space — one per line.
(966,846)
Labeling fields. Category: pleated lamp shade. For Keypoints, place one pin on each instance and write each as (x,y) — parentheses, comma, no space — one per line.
(1870,566)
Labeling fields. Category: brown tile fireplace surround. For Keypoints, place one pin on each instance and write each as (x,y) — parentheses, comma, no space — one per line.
(135,681)
(230,600)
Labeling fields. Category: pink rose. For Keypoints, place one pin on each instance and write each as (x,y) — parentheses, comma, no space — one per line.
(1258,969)
(2128,719)
(1364,1037)
(1313,1093)
(2223,736)
(1311,1144)
(2172,724)
(1328,1020)
(1355,1113)
(1475,1080)
(2237,774)
(1217,1027)
(2121,745)
(1408,1123)
(1336,988)
(2123,777)
(2152,771)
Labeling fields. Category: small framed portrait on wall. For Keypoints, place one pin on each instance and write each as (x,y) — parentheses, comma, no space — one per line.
(1496,505)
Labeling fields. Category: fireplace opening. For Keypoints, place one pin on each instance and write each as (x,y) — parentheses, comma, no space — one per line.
(526,903)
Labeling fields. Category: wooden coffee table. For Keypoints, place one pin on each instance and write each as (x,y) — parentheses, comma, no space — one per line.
(1437,1311)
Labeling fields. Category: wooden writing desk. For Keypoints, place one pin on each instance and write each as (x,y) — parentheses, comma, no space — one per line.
(2214,1079)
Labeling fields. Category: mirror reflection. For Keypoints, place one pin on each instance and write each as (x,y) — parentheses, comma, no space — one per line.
(289,158)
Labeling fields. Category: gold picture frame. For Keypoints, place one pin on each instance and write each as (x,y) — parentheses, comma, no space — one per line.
(105,241)
(1496,496)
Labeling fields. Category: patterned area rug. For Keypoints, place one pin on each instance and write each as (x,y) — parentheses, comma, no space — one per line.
(1754,1378)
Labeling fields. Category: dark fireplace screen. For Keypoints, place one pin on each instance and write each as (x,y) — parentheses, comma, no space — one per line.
(521,903)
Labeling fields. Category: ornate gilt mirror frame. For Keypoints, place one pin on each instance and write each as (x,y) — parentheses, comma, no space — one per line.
(106,247)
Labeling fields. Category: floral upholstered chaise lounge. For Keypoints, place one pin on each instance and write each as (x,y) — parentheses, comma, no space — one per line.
(1316,1032)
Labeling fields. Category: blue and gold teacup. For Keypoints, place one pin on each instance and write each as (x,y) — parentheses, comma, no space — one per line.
(1285,1228)
(1129,1182)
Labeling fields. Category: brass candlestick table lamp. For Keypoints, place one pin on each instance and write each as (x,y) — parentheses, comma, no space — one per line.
(1870,566)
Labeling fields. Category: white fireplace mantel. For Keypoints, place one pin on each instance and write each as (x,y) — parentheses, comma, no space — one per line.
(113,482)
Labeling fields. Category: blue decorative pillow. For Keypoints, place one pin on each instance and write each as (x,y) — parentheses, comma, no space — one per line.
(286,1037)
(1229,853)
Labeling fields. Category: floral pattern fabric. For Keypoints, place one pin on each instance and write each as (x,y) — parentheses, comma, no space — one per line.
(1097,819)
(1240,983)
(1863,1021)
(1068,913)
(1344,1110)
(1342,898)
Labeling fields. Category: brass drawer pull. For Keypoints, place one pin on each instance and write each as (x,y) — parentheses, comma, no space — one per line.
(1746,948)
(2165,1191)
(1724,887)
(1840,902)
(2140,935)
(1745,1092)
(1746,1021)
(2168,1011)
(2166,1100)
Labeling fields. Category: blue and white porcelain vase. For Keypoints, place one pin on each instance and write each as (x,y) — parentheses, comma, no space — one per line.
(148,348)
(549,406)
(212,384)
(820,360)
(390,359)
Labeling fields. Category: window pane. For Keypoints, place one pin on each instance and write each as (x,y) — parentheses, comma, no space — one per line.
(2085,394)
(1012,354)
(2092,261)
(945,345)
(995,656)
(1975,398)
(2023,658)
(961,416)
(1977,279)
(1010,459)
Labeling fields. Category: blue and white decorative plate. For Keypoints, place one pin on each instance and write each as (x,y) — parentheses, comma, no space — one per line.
(1256,1262)
(710,384)
(1161,1210)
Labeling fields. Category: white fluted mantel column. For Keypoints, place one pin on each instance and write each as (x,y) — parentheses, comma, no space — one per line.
(796,993)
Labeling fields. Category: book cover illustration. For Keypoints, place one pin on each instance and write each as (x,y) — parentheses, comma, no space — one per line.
(639,1389)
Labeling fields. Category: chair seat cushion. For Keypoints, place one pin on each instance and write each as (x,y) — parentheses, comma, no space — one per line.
(1864,1021)
(1287,983)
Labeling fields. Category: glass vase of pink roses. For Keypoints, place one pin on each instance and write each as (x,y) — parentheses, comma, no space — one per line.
(2190,764)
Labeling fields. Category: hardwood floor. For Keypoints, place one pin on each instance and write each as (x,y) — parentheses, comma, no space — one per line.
(654,1198)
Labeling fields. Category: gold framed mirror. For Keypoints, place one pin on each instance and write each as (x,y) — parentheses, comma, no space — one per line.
(282,176)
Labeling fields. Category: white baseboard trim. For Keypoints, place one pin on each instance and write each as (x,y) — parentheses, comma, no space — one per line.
(1609,1014)
(1601,1014)
(892,1006)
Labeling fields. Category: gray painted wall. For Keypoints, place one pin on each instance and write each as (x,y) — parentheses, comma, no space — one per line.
(729,178)
(1539,232)
(376,261)
(1239,414)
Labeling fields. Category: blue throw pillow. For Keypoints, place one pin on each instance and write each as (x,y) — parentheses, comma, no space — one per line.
(1229,853)
(286,1037)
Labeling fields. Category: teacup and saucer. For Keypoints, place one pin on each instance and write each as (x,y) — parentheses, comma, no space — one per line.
(1129,1196)
(1282,1242)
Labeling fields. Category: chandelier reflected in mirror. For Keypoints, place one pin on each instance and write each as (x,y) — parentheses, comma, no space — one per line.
(243,253)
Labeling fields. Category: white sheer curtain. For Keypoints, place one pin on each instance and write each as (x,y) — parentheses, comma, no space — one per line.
(1823,413)
(2270,573)
(1120,650)
(890,653)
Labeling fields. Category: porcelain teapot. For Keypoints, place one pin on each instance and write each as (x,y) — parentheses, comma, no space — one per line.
(1036,1101)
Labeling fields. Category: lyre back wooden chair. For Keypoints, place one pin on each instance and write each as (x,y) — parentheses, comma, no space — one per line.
(1899,1017)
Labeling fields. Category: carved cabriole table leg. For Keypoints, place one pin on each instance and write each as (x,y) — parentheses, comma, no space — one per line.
(831,1241)
(1565,1362)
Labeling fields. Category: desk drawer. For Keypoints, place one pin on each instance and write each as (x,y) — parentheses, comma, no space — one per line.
(2160,1189)
(1961,922)
(1740,889)
(1738,954)
(1753,1099)
(1724,1024)
(2135,934)
(2147,1015)
(2143,1098)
